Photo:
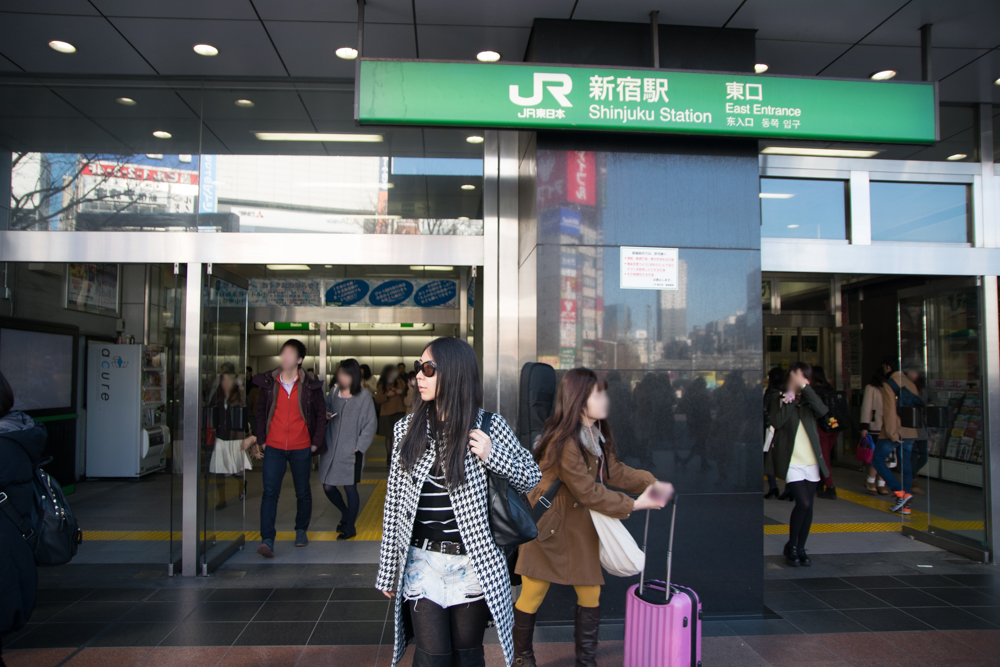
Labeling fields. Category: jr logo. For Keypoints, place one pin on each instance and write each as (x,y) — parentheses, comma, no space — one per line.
(558,91)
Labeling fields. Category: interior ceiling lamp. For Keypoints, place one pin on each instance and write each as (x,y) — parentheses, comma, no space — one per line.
(818,152)
(317,136)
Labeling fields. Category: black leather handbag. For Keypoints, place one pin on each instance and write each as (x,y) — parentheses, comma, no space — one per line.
(510,514)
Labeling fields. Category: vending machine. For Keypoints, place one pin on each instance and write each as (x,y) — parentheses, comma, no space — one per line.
(127,434)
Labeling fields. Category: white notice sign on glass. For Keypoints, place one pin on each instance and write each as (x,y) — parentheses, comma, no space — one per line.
(648,268)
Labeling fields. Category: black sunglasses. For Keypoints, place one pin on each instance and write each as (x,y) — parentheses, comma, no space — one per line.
(428,368)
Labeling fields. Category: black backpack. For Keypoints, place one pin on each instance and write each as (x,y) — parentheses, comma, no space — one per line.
(51,531)
(536,400)
(836,407)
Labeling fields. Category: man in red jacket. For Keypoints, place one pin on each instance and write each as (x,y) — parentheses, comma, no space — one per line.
(291,426)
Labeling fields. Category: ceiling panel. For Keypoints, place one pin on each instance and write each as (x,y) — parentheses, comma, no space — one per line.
(865,59)
(509,13)
(49,7)
(35,102)
(24,39)
(959,23)
(324,105)
(220,104)
(193,9)
(438,42)
(244,49)
(841,21)
(797,58)
(137,133)
(151,102)
(452,142)
(637,11)
(376,11)
(7,65)
(307,49)
(387,40)
(974,82)
(69,135)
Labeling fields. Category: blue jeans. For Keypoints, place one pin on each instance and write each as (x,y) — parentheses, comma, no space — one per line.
(275,462)
(920,456)
(882,449)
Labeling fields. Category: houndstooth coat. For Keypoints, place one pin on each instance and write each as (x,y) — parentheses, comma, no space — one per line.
(508,458)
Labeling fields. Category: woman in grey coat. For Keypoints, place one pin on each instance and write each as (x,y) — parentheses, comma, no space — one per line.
(350,428)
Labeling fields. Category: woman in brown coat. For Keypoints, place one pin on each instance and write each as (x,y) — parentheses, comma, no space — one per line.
(576,448)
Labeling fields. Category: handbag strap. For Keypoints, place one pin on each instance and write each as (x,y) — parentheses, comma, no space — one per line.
(22,524)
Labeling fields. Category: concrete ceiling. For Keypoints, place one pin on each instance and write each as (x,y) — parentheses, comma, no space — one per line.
(143,50)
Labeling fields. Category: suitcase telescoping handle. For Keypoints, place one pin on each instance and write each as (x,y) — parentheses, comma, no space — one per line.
(670,548)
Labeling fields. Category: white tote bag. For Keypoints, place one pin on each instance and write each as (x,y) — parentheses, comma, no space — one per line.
(620,555)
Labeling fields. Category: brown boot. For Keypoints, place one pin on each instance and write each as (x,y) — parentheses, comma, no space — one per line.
(588,622)
(524,632)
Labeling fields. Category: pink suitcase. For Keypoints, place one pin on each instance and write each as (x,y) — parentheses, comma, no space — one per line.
(662,628)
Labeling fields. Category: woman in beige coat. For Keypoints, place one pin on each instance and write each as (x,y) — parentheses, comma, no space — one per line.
(576,448)
(871,424)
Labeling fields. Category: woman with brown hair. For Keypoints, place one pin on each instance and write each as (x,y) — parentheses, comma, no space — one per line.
(576,448)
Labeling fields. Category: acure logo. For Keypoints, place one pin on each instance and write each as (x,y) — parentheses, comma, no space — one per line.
(557,91)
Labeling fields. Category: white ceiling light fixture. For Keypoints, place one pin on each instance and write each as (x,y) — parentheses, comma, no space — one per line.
(775,195)
(244,104)
(997,82)
(487,56)
(884,75)
(317,136)
(347,53)
(205,50)
(760,68)
(475,139)
(793,226)
(126,101)
(432,268)
(160,134)
(288,267)
(957,156)
(468,186)
(818,152)
(62,47)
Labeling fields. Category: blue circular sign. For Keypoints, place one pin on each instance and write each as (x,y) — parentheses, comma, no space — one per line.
(347,292)
(435,293)
(391,293)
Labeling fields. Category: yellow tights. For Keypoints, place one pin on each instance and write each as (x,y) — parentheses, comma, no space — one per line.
(533,594)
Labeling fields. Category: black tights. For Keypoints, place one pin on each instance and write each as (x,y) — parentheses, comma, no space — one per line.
(801,520)
(439,631)
(348,512)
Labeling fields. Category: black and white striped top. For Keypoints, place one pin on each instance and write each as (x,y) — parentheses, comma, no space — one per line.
(435,519)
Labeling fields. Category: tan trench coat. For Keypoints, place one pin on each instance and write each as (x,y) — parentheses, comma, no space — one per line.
(567,550)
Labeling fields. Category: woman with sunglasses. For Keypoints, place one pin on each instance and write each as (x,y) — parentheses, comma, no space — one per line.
(438,557)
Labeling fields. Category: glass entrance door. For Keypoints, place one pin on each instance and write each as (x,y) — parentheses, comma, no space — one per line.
(939,338)
(224,417)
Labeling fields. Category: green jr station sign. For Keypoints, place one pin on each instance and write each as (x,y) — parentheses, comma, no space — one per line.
(530,96)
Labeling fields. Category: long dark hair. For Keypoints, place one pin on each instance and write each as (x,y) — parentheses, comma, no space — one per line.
(452,413)
(6,397)
(564,425)
(235,397)
(351,367)
(775,376)
(806,369)
(878,377)
(383,379)
(819,375)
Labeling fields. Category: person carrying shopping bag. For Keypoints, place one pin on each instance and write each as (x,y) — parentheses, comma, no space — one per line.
(350,429)
(438,557)
(577,451)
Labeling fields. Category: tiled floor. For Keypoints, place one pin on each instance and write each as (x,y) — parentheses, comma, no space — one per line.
(919,619)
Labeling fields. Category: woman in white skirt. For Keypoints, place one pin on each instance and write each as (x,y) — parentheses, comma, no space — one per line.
(796,453)
(225,420)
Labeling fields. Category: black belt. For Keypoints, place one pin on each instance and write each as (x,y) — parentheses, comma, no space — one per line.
(448,548)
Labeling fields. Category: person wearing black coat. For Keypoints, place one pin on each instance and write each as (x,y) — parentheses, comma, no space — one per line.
(21,445)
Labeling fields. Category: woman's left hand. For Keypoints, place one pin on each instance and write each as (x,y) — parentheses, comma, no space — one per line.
(480,444)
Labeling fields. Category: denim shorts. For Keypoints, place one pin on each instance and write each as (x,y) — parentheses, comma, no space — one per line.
(441,578)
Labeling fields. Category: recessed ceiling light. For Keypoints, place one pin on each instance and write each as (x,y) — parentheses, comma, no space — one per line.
(818,152)
(317,136)
(467,186)
(288,267)
(246,104)
(328,266)
(463,217)
(474,139)
(347,52)
(957,156)
(205,50)
(431,268)
(160,134)
(487,56)
(760,68)
(126,101)
(793,226)
(997,82)
(62,47)
(884,75)
(775,195)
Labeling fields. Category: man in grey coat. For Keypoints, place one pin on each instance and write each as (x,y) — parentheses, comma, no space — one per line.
(350,428)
